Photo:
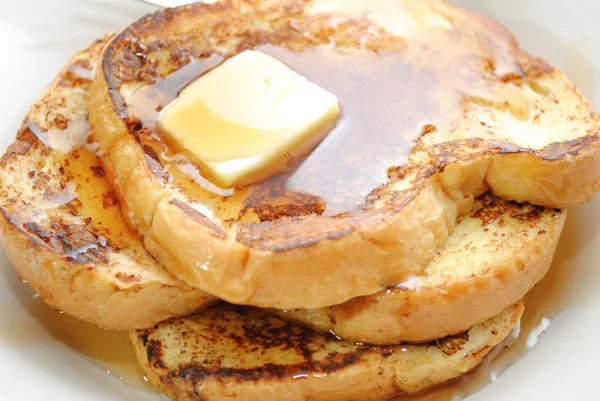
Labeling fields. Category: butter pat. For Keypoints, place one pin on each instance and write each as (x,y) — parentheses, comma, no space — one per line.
(244,120)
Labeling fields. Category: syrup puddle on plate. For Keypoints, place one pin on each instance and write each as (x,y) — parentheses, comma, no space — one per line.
(112,351)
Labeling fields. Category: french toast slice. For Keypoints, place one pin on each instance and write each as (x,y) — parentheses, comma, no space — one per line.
(495,255)
(60,220)
(477,113)
(246,354)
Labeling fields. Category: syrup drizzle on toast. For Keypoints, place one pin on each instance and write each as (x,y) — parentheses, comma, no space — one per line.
(389,98)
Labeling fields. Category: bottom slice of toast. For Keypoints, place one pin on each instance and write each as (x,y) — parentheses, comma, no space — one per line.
(247,354)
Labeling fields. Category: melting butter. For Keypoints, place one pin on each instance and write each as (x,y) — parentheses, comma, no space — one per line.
(243,120)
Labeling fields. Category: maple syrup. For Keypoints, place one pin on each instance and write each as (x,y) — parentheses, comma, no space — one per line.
(87,195)
(96,200)
(109,350)
(88,199)
(389,98)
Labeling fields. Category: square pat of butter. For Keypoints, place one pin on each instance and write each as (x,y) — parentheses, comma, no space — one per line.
(244,119)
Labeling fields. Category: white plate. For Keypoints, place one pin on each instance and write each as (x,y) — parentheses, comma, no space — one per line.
(37,37)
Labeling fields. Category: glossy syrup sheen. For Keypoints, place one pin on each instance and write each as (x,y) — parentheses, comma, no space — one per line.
(94,201)
(388,100)
(109,351)
(87,200)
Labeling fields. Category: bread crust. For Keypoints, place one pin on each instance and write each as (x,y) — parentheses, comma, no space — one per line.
(312,261)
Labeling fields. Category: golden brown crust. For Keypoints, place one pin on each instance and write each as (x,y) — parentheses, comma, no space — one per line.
(246,354)
(60,220)
(245,275)
(539,129)
(493,258)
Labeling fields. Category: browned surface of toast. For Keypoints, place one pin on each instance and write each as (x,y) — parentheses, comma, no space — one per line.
(500,120)
(229,352)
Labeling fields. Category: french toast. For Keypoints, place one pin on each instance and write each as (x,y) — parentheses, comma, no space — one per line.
(56,220)
(476,114)
(495,255)
(450,253)
(241,353)
(60,221)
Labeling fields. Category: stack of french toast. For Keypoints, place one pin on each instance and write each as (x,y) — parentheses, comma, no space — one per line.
(388,254)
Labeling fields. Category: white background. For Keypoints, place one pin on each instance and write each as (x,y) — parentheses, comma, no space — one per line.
(36,38)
